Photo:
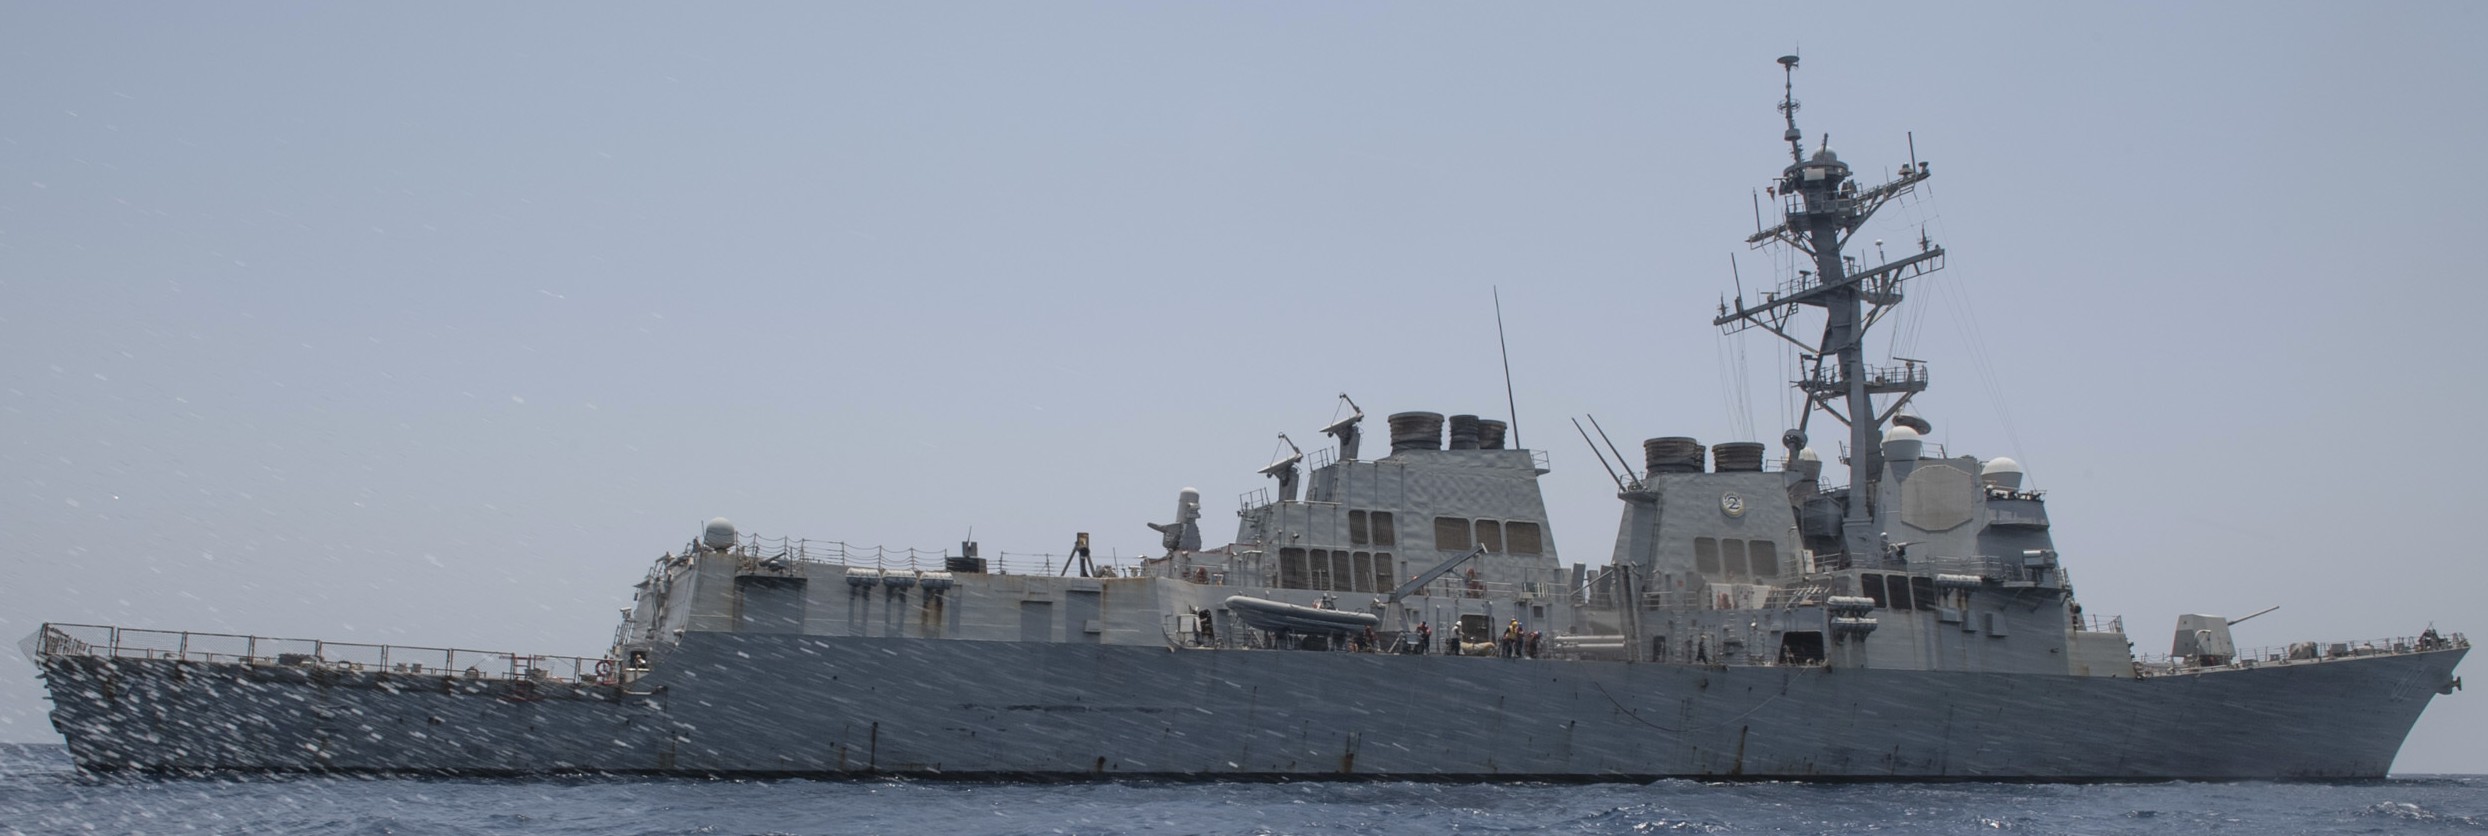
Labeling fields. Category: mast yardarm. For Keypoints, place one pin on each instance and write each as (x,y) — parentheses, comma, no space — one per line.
(1821,208)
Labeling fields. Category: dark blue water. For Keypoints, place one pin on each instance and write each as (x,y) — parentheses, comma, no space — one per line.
(41,793)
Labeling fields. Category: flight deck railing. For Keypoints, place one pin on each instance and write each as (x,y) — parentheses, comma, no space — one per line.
(106,641)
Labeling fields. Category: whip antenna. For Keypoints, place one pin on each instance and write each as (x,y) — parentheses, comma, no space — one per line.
(1511,407)
(1601,454)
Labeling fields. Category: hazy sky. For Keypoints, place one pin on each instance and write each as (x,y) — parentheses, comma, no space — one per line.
(433,324)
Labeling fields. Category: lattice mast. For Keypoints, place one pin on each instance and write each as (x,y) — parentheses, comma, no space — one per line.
(1822,207)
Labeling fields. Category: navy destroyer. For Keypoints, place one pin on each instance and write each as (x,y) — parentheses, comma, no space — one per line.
(1404,616)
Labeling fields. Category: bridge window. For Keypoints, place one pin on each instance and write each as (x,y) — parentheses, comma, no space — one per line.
(1292,574)
(1898,587)
(1732,558)
(1451,534)
(1523,538)
(1383,533)
(1490,535)
(1872,585)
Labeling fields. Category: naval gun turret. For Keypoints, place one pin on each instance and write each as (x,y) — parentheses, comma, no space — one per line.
(1184,534)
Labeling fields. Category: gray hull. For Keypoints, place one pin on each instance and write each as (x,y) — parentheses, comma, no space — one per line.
(793,704)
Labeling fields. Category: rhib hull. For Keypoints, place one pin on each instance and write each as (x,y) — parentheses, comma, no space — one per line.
(745,703)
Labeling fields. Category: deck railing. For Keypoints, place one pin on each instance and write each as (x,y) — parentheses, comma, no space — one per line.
(2100,623)
(840,553)
(2303,653)
(106,641)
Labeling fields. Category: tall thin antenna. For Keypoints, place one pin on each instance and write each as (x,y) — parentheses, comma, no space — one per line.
(1511,406)
(1739,277)
(1602,436)
(1601,454)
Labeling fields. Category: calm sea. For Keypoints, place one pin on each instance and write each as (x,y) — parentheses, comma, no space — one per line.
(41,793)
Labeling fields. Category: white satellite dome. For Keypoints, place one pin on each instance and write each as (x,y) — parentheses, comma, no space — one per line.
(1902,446)
(719,534)
(1809,464)
(2001,472)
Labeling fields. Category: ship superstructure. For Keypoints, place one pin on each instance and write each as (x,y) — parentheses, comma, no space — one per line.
(1405,616)
(1920,562)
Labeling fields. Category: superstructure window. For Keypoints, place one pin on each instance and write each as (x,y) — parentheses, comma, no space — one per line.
(1357,535)
(1765,559)
(1523,538)
(1383,533)
(1385,579)
(1451,534)
(1292,569)
(1732,560)
(1898,587)
(1363,572)
(1922,587)
(1490,535)
(1706,556)
(1341,578)
(1872,585)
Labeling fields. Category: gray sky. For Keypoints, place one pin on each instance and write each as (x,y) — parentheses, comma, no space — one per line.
(433,324)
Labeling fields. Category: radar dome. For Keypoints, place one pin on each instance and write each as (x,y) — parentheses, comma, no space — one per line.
(719,534)
(1901,445)
(2001,472)
(1809,464)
